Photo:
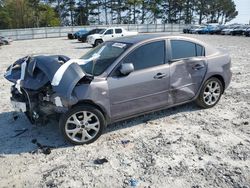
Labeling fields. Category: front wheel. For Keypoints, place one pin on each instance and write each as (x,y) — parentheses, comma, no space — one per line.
(82,124)
(98,42)
(210,93)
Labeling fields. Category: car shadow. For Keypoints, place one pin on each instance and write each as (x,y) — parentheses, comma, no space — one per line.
(84,47)
(75,41)
(17,134)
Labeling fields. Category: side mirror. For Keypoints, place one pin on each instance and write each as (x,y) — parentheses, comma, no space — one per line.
(126,68)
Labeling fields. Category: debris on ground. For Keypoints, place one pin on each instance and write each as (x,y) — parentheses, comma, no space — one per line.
(133,182)
(125,142)
(15,116)
(41,148)
(100,161)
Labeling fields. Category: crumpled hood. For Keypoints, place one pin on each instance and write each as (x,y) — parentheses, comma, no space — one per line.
(35,72)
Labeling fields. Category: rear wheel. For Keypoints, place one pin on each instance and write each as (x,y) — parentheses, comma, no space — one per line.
(210,93)
(82,124)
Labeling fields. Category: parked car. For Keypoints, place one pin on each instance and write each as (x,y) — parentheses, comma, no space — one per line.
(189,28)
(216,29)
(117,80)
(207,30)
(198,30)
(226,31)
(110,33)
(247,32)
(5,40)
(83,37)
(231,30)
(76,34)
(1,43)
(238,30)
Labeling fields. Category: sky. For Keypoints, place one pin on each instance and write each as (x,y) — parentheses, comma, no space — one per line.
(243,7)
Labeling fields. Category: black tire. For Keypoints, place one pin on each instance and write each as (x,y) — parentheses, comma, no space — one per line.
(63,125)
(201,101)
(98,42)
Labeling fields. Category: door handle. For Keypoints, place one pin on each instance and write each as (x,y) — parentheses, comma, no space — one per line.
(159,76)
(198,67)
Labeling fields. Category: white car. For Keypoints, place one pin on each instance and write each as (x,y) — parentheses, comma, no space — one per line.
(5,40)
(108,34)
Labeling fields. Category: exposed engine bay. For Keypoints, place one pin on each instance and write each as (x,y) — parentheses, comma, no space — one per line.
(43,85)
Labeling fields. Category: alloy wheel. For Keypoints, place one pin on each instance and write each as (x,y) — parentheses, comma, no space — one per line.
(212,93)
(82,126)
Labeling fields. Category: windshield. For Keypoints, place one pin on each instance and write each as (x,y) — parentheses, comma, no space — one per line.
(102,31)
(103,55)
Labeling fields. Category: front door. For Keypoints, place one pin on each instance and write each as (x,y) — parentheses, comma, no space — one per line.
(109,34)
(144,89)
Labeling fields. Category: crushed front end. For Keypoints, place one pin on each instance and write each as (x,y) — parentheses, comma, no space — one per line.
(43,86)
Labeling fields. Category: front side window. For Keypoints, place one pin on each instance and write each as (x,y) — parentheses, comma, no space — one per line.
(148,55)
(109,32)
(103,55)
(185,49)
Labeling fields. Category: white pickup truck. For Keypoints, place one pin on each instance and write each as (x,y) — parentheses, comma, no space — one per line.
(107,34)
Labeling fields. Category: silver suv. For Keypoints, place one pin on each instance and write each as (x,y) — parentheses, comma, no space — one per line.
(119,79)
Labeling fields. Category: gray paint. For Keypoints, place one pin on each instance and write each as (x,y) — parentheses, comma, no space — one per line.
(143,91)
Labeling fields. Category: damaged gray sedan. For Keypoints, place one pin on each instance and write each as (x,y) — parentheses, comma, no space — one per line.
(119,79)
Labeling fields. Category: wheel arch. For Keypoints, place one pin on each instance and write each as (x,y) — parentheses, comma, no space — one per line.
(98,40)
(99,107)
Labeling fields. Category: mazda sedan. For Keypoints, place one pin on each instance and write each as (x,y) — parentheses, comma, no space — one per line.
(119,79)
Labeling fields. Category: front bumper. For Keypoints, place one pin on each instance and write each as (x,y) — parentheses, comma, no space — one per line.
(91,41)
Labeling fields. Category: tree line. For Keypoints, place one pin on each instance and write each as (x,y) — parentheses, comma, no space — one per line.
(46,13)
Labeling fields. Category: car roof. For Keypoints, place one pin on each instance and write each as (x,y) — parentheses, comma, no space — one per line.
(138,38)
(147,37)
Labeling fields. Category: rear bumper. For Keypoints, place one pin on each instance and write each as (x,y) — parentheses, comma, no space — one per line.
(228,78)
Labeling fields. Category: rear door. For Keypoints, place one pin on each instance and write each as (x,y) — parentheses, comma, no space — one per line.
(118,32)
(187,70)
(144,89)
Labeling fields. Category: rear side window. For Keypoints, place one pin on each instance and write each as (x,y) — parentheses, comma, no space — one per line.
(117,31)
(184,49)
(199,50)
(148,55)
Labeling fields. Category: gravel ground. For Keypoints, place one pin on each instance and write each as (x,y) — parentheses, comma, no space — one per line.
(179,147)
